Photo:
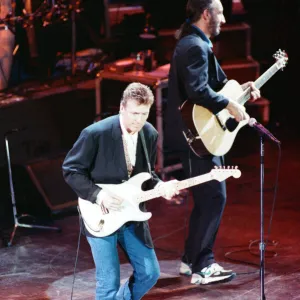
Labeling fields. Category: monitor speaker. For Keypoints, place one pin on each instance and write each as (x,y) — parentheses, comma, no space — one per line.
(46,175)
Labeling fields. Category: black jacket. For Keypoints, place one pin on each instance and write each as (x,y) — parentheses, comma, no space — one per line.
(195,75)
(98,157)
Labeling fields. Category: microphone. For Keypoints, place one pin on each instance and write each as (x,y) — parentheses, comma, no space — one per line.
(262,130)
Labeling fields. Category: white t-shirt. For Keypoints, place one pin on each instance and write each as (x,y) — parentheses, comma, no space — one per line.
(131,141)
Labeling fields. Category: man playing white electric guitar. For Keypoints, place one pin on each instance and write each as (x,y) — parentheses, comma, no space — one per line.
(110,152)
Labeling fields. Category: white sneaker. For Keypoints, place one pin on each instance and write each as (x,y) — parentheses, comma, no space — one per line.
(212,273)
(185,269)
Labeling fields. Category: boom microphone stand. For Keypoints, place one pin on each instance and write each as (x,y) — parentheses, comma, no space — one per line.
(13,200)
(262,245)
(263,132)
(73,43)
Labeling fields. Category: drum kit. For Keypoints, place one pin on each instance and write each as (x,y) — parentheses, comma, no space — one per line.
(48,12)
(14,15)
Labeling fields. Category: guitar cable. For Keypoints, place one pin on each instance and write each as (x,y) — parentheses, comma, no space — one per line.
(77,252)
(184,227)
(268,242)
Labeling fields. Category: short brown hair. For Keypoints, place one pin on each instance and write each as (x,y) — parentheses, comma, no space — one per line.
(138,92)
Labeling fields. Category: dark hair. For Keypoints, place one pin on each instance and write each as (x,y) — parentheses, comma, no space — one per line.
(194,10)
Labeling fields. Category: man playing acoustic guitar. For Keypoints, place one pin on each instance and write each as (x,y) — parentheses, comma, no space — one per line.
(195,77)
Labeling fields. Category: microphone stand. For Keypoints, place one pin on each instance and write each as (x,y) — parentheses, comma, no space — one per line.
(263,132)
(13,200)
(73,45)
(262,245)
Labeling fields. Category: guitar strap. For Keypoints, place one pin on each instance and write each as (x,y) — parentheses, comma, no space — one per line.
(146,152)
(127,159)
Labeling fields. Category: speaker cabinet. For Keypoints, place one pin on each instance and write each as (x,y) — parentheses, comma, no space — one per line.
(47,176)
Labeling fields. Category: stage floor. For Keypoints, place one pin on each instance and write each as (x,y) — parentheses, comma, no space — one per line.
(40,263)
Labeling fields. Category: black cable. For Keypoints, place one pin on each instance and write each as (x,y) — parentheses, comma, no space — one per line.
(227,254)
(77,252)
(275,192)
(3,75)
(185,219)
(273,243)
(167,235)
(187,204)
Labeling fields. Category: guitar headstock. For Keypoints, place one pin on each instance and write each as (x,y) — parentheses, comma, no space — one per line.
(222,173)
(281,58)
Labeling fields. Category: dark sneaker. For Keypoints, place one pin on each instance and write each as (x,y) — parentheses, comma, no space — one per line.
(214,273)
(185,269)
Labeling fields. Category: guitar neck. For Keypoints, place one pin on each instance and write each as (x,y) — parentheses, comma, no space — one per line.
(183,184)
(259,82)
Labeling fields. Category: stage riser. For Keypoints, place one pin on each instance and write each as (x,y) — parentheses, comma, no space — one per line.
(242,71)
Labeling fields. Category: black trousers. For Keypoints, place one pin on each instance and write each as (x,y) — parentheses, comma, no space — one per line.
(209,202)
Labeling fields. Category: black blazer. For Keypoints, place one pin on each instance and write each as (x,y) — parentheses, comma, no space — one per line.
(195,75)
(98,157)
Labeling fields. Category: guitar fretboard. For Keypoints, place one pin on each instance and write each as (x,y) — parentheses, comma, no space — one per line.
(155,193)
(259,82)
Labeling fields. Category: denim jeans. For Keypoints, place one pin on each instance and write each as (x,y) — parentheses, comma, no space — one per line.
(143,260)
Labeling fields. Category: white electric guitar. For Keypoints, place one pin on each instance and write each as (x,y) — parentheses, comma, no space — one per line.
(102,223)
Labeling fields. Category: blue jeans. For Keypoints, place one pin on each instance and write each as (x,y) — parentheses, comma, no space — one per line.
(143,260)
